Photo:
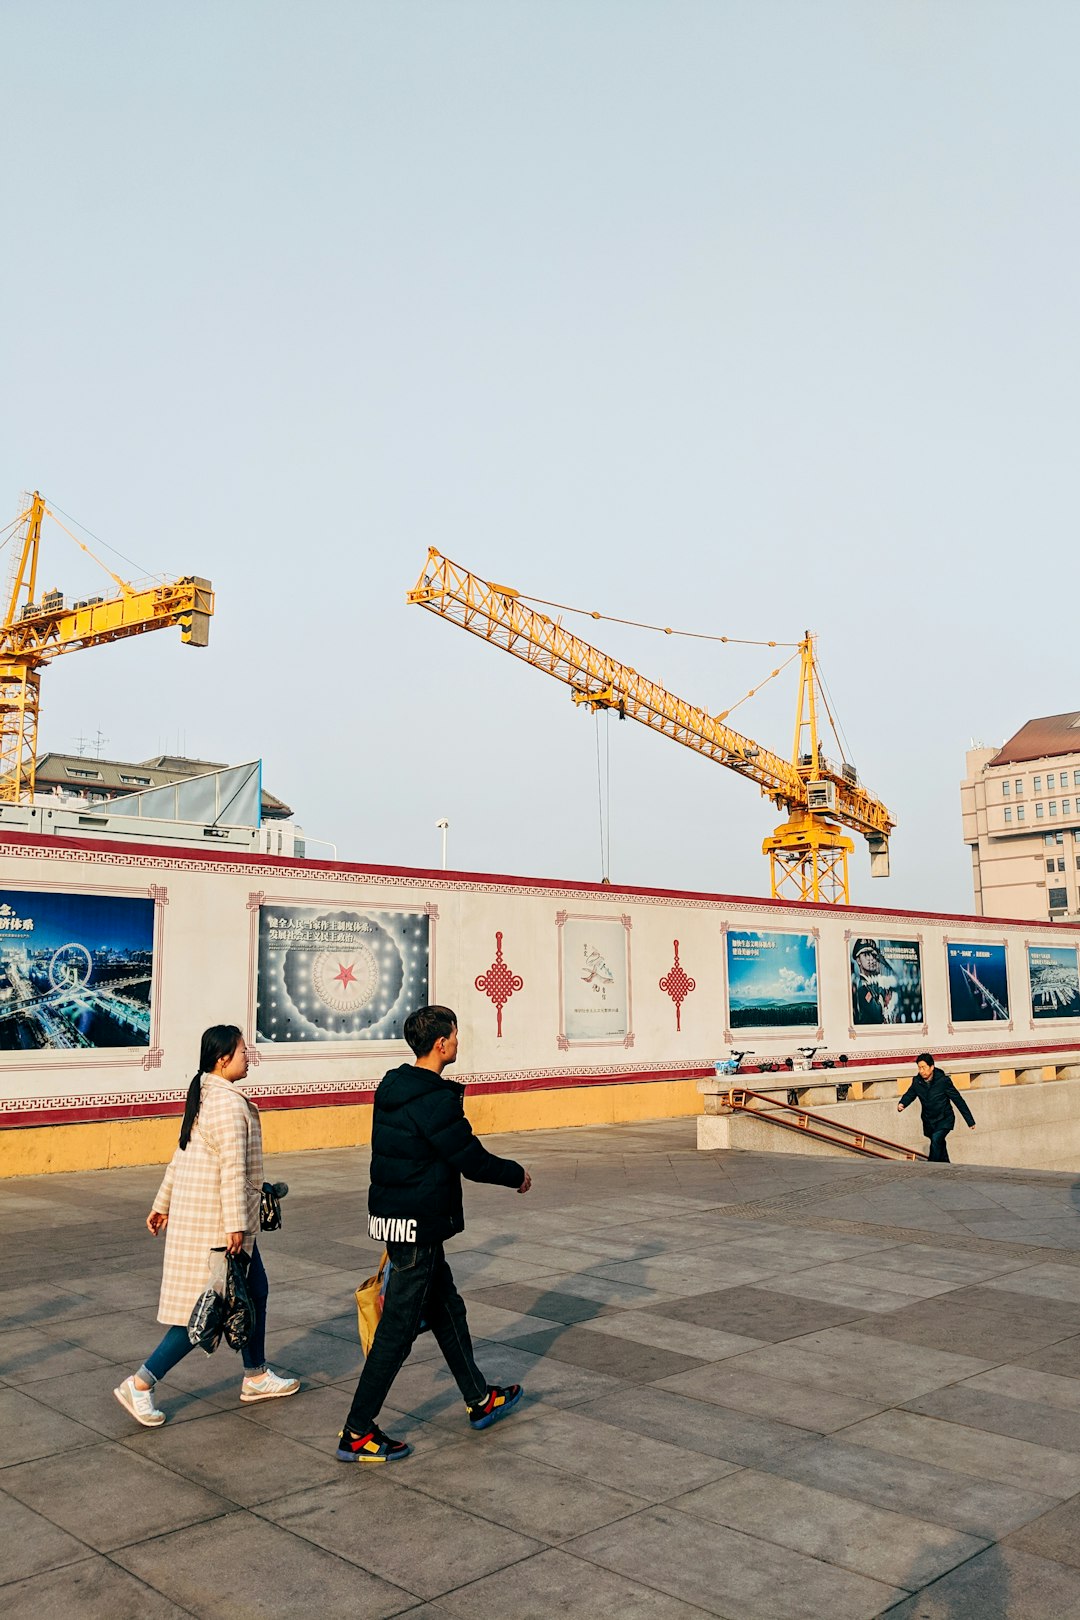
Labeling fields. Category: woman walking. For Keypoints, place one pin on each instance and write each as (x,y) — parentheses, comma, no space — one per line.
(209,1199)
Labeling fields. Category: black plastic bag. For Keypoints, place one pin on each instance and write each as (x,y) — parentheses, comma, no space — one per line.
(239,1311)
(270,1205)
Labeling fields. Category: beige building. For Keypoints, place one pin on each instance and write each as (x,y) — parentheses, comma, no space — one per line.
(1021,810)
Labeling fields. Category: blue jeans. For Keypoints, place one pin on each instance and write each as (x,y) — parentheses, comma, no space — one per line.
(939,1147)
(421,1285)
(176,1344)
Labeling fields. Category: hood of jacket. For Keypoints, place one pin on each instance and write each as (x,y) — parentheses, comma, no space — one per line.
(407,1084)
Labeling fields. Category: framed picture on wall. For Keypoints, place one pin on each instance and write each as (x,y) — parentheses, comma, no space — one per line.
(978,980)
(595,995)
(772,980)
(1054,981)
(886,982)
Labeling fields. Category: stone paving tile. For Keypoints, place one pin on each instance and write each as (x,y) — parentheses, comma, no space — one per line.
(1002,1583)
(821,1410)
(728,1573)
(30,1545)
(1025,1384)
(942,1324)
(1050,1281)
(862,1296)
(314,1356)
(550,1305)
(245,1462)
(998,1413)
(611,1454)
(756,1313)
(30,1355)
(29,1430)
(519,1492)
(892,1547)
(621,1358)
(971,1451)
(108,1497)
(707,1344)
(93,1589)
(36,1305)
(411,1539)
(1055,1535)
(206,1569)
(852,1363)
(716,1431)
(1061,1358)
(921,1489)
(428,1391)
(555,1582)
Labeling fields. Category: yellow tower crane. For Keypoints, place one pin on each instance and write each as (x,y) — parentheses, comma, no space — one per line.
(808,853)
(34,632)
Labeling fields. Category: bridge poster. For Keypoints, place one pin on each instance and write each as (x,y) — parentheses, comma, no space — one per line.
(339,974)
(76,971)
(772,980)
(978,983)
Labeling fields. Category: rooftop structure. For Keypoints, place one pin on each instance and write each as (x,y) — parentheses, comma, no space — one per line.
(91,780)
(1021,819)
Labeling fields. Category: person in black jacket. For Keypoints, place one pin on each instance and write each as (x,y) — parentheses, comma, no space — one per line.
(421,1146)
(936,1094)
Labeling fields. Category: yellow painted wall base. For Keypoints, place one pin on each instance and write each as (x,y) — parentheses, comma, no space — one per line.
(41,1150)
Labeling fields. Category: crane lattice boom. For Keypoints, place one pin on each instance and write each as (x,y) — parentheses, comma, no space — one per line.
(35,632)
(497,614)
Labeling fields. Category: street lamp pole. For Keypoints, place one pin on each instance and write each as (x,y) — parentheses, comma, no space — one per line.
(443,826)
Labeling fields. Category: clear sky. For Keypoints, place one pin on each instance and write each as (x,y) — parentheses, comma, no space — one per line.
(738,317)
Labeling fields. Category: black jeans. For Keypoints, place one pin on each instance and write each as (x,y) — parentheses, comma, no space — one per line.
(421,1286)
(939,1146)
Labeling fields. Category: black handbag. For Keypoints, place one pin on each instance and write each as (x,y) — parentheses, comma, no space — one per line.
(270,1205)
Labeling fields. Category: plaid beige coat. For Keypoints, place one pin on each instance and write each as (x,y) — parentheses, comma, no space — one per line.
(211,1188)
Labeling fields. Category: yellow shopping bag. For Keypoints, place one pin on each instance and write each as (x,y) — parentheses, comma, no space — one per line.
(369,1303)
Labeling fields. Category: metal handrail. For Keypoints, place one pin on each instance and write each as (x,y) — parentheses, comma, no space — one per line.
(849,1136)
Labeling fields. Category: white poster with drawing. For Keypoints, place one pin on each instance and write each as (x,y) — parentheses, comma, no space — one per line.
(595,979)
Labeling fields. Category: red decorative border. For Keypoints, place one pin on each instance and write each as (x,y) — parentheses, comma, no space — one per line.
(172,858)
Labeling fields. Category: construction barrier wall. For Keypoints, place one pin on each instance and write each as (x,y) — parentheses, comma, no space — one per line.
(577,1003)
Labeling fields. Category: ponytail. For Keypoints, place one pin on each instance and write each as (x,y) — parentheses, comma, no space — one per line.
(219,1041)
(191,1109)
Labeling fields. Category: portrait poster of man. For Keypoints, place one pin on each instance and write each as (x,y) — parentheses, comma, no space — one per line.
(1055,982)
(886,982)
(772,980)
(76,971)
(978,983)
(339,974)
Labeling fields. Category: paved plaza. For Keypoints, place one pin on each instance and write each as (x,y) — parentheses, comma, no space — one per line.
(760,1387)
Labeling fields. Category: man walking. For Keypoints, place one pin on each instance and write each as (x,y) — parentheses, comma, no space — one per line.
(421,1146)
(936,1094)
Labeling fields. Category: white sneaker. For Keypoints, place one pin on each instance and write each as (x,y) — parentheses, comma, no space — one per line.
(267,1386)
(140,1403)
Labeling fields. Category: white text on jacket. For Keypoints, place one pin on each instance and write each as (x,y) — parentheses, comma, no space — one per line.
(385,1230)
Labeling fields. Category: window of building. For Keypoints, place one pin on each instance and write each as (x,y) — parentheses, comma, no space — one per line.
(1059,899)
(1008,812)
(1076,778)
(1039,812)
(1048,838)
(1019,812)
(1050,864)
(1006,789)
(1036,785)
(1053,807)
(91,776)
(1019,786)
(1061,864)
(1050,781)
(138,781)
(1065,807)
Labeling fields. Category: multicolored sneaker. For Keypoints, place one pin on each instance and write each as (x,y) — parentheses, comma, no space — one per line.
(497,1403)
(267,1386)
(373,1447)
(140,1403)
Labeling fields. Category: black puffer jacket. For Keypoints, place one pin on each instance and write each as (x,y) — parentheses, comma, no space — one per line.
(936,1097)
(421,1146)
